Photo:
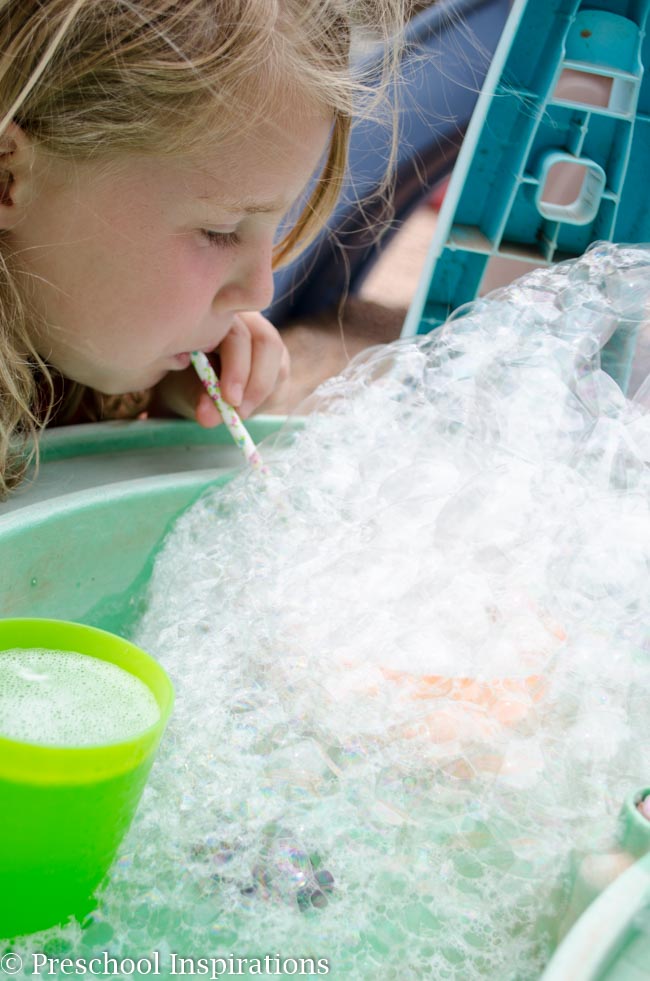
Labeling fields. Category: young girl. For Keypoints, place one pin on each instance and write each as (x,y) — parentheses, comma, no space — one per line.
(149,152)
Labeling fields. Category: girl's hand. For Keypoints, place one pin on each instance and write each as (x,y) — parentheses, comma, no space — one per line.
(253,363)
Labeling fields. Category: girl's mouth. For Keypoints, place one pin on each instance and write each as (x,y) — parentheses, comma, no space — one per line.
(182,360)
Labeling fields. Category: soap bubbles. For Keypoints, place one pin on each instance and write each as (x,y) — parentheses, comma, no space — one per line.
(412,664)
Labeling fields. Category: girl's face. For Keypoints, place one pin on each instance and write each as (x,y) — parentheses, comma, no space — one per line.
(135,264)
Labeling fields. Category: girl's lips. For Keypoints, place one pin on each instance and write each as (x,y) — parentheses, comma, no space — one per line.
(182,360)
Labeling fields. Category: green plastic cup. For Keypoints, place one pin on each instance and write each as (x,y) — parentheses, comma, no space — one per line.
(65,809)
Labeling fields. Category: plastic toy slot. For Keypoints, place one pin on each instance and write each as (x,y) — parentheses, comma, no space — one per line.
(570,189)
(581,88)
(555,156)
(585,86)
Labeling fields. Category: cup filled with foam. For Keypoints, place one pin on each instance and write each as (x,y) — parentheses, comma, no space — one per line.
(82,712)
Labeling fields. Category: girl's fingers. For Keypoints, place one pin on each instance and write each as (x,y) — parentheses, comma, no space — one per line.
(269,364)
(277,400)
(253,363)
(181,393)
(270,368)
(206,412)
(235,353)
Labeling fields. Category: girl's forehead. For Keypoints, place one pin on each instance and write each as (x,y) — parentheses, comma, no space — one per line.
(251,167)
(289,127)
(245,175)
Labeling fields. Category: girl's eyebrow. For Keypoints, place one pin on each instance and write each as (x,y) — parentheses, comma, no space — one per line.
(246,207)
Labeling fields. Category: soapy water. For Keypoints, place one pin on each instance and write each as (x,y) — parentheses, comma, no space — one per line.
(412,665)
(63,698)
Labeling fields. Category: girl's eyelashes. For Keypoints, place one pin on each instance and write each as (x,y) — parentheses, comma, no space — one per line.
(224,240)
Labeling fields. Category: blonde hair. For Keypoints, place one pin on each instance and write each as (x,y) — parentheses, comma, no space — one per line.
(99,78)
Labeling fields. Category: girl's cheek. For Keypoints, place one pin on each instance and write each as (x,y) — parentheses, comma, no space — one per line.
(189,283)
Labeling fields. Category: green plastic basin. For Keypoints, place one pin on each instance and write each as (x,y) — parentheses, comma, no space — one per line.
(78,542)
(611,940)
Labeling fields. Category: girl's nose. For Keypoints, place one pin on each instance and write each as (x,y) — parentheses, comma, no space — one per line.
(251,287)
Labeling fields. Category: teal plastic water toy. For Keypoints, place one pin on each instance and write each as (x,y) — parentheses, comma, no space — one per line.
(66,809)
(555,156)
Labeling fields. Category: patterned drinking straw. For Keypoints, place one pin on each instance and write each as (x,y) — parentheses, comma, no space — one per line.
(236,427)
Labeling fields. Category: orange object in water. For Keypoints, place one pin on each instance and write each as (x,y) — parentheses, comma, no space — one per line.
(474,709)
(508,700)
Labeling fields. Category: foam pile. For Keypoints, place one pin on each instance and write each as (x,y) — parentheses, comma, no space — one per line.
(412,665)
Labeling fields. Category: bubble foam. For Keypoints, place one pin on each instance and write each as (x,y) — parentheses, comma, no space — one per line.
(412,665)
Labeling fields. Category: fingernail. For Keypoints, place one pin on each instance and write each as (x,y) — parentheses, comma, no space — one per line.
(236,392)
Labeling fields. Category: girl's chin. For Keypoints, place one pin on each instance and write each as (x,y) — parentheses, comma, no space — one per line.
(118,382)
(125,387)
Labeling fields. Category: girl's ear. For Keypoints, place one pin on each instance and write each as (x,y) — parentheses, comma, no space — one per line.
(16,174)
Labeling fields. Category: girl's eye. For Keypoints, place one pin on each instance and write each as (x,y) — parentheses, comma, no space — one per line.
(224,240)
